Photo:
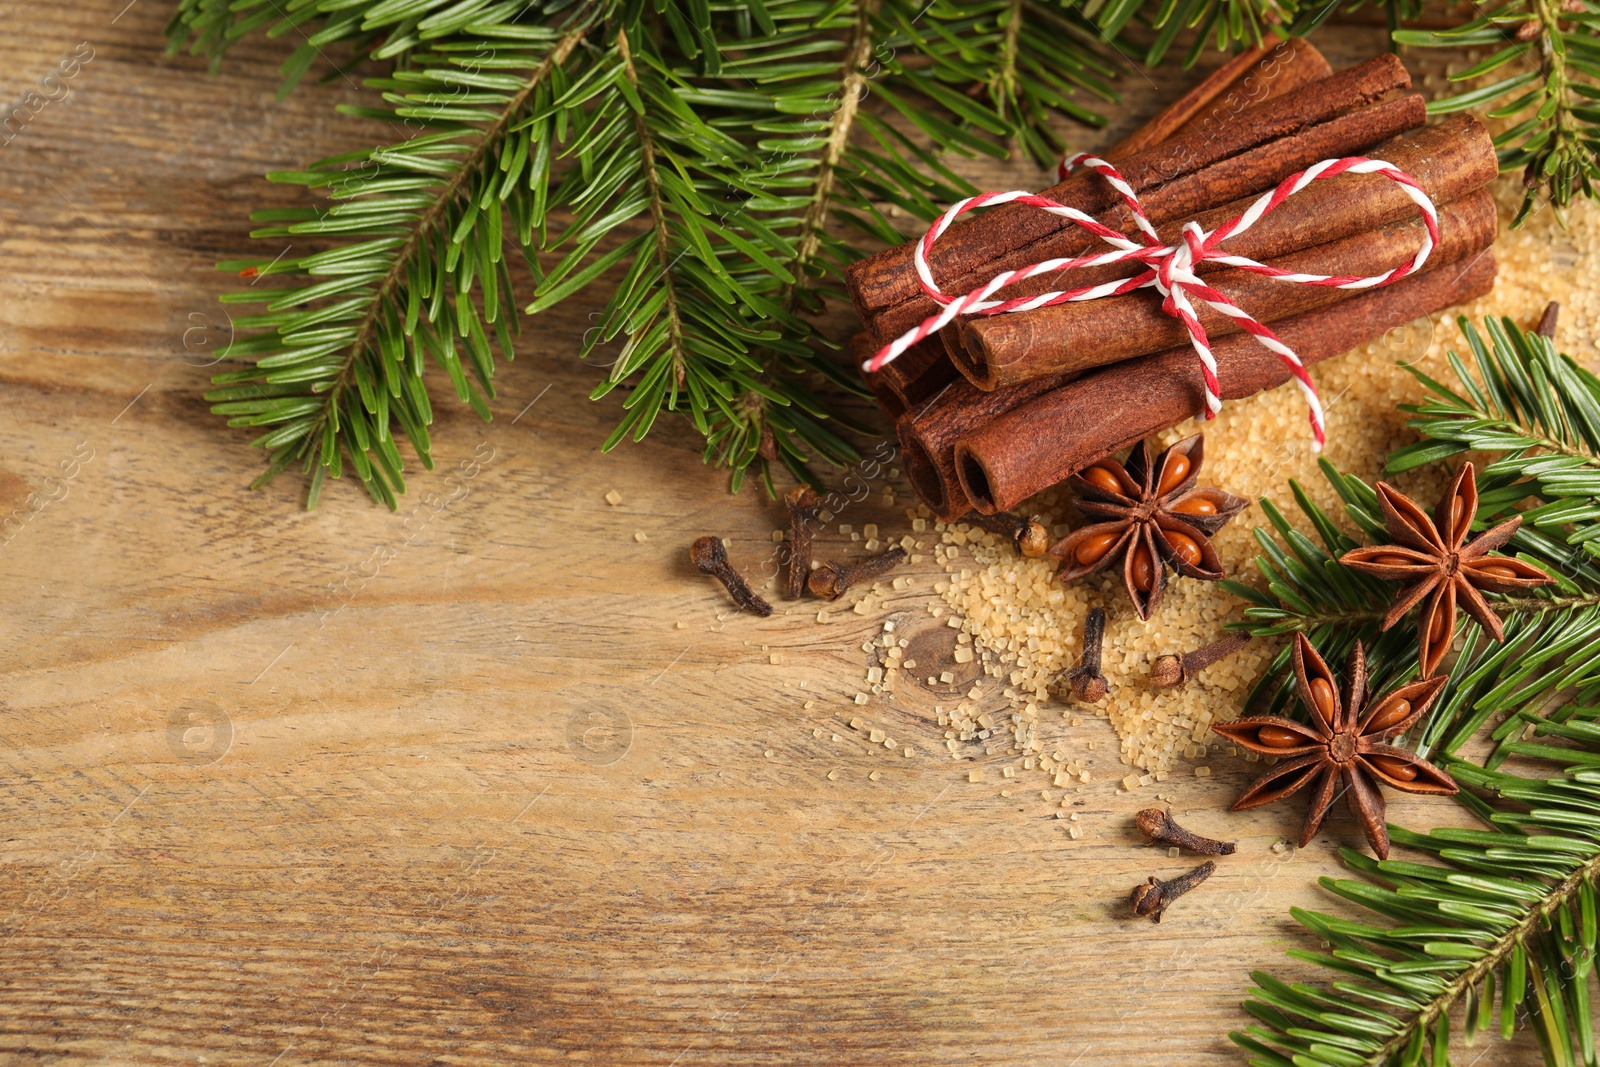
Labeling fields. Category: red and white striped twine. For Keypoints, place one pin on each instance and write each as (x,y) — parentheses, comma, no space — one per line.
(1171,268)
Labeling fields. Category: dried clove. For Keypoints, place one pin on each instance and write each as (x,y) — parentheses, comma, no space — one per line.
(1170,670)
(1547,321)
(711,557)
(831,579)
(1029,536)
(1153,897)
(1159,827)
(802,503)
(1088,685)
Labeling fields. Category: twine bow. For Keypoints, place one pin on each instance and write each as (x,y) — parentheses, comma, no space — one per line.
(1170,268)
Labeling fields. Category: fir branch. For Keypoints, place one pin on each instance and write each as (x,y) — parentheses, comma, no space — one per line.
(660,229)
(1541,412)
(694,170)
(341,360)
(1555,147)
(857,54)
(1511,909)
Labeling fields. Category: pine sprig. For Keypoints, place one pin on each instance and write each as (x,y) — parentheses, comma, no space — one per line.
(339,362)
(1541,413)
(1549,54)
(694,168)
(1501,928)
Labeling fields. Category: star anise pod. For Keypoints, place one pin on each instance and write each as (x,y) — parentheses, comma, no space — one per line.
(1346,742)
(1150,512)
(1434,556)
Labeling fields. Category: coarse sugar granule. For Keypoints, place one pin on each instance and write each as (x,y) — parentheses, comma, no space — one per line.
(1027,628)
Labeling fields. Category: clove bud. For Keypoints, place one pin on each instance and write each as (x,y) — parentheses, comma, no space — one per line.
(1085,680)
(710,555)
(1029,536)
(1159,827)
(831,579)
(1153,897)
(1168,671)
(802,504)
(1547,321)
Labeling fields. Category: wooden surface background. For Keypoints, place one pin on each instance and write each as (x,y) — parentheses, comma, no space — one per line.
(491,780)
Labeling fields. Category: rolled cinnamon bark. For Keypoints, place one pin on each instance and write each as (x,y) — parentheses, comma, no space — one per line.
(1009,349)
(971,250)
(1448,161)
(928,436)
(1251,77)
(910,381)
(1244,175)
(1038,444)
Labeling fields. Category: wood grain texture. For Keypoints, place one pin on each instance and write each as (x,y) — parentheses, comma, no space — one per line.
(453,785)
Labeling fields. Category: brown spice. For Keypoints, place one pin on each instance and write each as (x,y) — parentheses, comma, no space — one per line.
(1003,350)
(1159,827)
(1028,536)
(1169,671)
(1255,75)
(1433,556)
(1448,161)
(928,436)
(1252,77)
(1155,896)
(832,579)
(711,556)
(1040,443)
(1346,741)
(1085,680)
(802,503)
(977,249)
(911,382)
(1151,513)
(1547,321)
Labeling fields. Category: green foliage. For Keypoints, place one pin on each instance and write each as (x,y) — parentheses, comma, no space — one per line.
(1511,909)
(1500,930)
(1218,23)
(687,171)
(1540,413)
(700,175)
(1547,56)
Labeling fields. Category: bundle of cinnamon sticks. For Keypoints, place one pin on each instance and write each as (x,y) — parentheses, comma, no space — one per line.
(993,409)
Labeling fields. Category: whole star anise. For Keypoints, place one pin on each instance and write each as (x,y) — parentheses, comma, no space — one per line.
(1151,512)
(1436,558)
(1346,742)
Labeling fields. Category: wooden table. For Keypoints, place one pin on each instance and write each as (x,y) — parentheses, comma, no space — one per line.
(497,778)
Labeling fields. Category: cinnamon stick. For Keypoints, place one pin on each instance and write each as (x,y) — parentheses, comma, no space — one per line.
(1251,77)
(1244,175)
(920,373)
(928,436)
(1008,349)
(968,250)
(1040,443)
(1448,161)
